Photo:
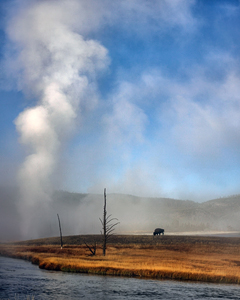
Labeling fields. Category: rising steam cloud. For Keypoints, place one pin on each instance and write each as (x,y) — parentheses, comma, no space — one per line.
(57,66)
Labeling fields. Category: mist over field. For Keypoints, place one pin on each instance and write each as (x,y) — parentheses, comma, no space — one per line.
(80,213)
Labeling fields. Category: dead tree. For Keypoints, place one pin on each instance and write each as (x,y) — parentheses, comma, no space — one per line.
(60,231)
(92,249)
(107,226)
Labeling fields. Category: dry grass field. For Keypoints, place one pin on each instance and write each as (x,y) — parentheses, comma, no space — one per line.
(208,259)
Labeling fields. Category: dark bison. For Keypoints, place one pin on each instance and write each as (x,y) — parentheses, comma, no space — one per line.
(158,231)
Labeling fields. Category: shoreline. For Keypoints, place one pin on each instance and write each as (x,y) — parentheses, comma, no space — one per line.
(142,274)
(199,259)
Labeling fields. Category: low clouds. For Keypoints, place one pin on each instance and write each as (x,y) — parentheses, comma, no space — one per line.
(182,131)
(209,125)
(156,14)
(126,123)
(173,137)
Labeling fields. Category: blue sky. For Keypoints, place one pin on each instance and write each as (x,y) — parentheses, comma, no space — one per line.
(160,113)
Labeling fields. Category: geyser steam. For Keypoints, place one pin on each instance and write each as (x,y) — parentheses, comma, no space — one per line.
(57,66)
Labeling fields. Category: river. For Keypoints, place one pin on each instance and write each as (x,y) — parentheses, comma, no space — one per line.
(20,279)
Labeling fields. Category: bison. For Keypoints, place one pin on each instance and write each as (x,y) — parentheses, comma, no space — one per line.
(158,231)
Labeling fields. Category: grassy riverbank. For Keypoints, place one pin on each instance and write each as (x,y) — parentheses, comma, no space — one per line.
(206,259)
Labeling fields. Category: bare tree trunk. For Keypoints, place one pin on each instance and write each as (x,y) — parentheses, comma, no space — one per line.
(104,223)
(60,231)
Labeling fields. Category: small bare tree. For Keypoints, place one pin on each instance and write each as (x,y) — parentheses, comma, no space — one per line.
(60,231)
(107,225)
(92,249)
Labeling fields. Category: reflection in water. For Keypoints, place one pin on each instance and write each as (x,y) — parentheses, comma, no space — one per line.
(22,278)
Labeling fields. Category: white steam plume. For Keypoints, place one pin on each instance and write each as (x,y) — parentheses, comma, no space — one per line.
(56,65)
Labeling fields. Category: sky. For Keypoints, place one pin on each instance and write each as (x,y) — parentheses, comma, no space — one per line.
(139,97)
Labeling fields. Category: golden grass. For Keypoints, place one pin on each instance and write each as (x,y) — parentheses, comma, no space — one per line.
(211,261)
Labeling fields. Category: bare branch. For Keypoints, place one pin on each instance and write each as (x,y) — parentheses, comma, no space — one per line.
(110,227)
(109,221)
(93,251)
(110,231)
(108,217)
(109,236)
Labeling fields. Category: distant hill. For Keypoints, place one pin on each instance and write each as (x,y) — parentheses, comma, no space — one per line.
(141,214)
(80,214)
